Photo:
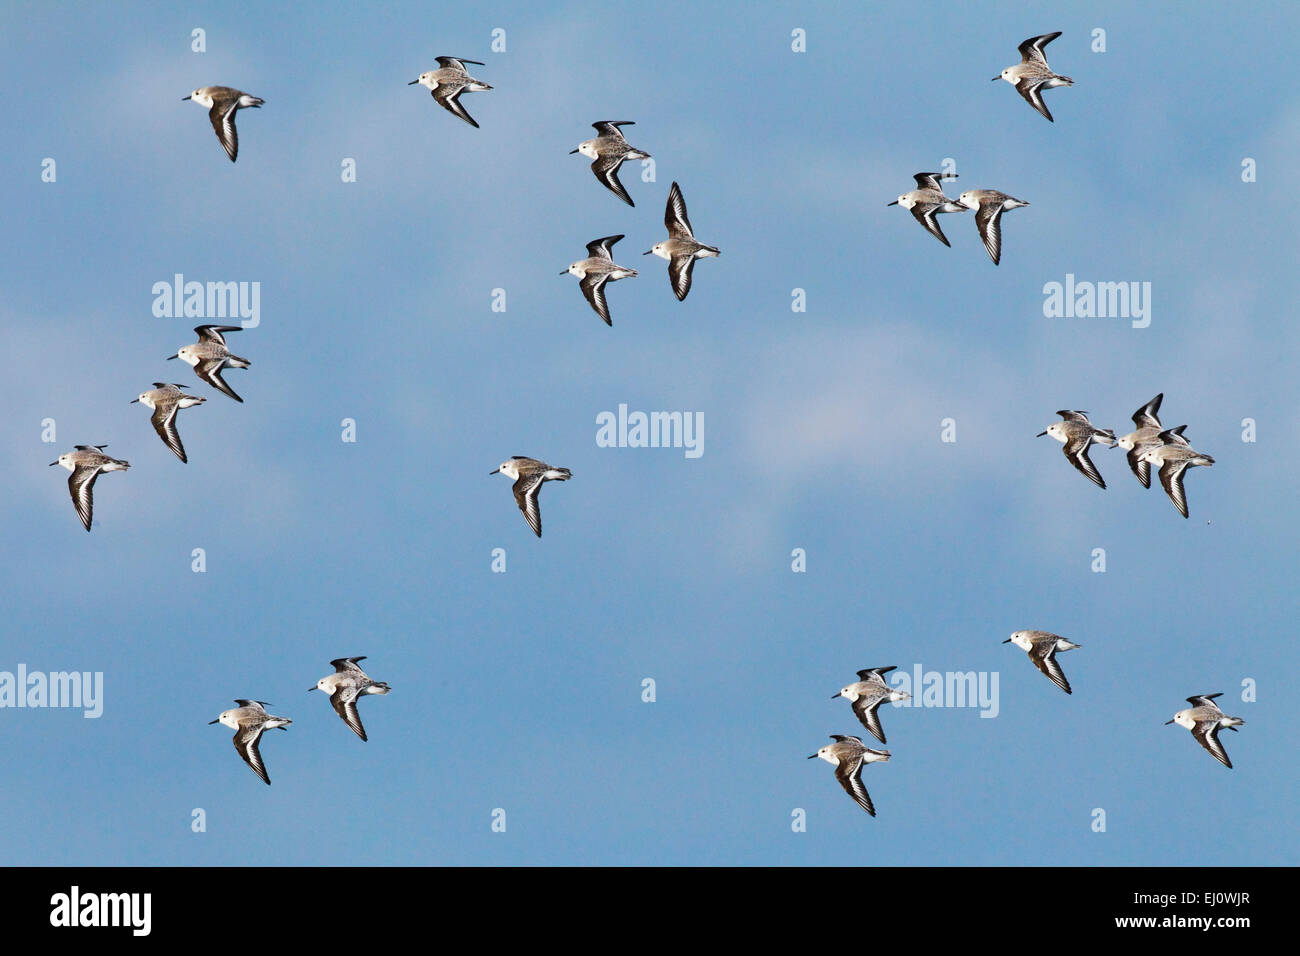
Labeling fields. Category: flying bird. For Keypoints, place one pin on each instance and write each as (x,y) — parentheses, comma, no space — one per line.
(529,474)
(222,103)
(1173,455)
(346,686)
(989,205)
(867,694)
(609,150)
(1204,719)
(1032,75)
(850,755)
(166,400)
(1147,434)
(446,85)
(248,720)
(1076,433)
(209,356)
(597,269)
(681,249)
(1042,647)
(927,200)
(86,463)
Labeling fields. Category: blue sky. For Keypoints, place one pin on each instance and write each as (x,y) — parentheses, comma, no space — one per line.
(522,690)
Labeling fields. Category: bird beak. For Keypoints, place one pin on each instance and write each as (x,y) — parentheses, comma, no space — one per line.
(493,471)
(647,252)
(1007,641)
(833,696)
(413,82)
(183,99)
(53,463)
(996,78)
(811,756)
(133,401)
(565,272)
(218,720)
(1041,434)
(172,357)
(572,151)
(310,689)
(1168,722)
(894,203)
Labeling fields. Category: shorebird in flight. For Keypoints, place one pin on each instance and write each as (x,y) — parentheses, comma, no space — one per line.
(529,474)
(1032,75)
(1042,647)
(248,720)
(927,200)
(209,356)
(597,269)
(1204,719)
(166,400)
(609,150)
(1076,433)
(86,463)
(222,103)
(446,85)
(849,755)
(346,686)
(681,248)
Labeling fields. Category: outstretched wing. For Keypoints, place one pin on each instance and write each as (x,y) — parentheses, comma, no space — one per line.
(849,774)
(606,170)
(679,271)
(1032,91)
(866,712)
(1031,51)
(925,215)
(593,287)
(1207,734)
(1076,450)
(527,489)
(164,423)
(675,219)
(344,700)
(1171,479)
(246,739)
(81,483)
(447,95)
(988,220)
(222,116)
(1044,657)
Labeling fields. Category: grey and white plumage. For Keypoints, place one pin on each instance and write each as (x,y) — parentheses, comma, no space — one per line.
(222,103)
(346,686)
(1204,719)
(681,248)
(1146,434)
(447,83)
(1173,455)
(1032,75)
(529,475)
(597,269)
(166,400)
(1076,433)
(989,205)
(86,463)
(1042,647)
(867,694)
(927,200)
(849,755)
(248,721)
(209,355)
(608,150)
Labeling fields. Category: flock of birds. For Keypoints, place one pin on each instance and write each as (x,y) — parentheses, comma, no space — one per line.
(1149,445)
(208,356)
(1031,76)
(345,687)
